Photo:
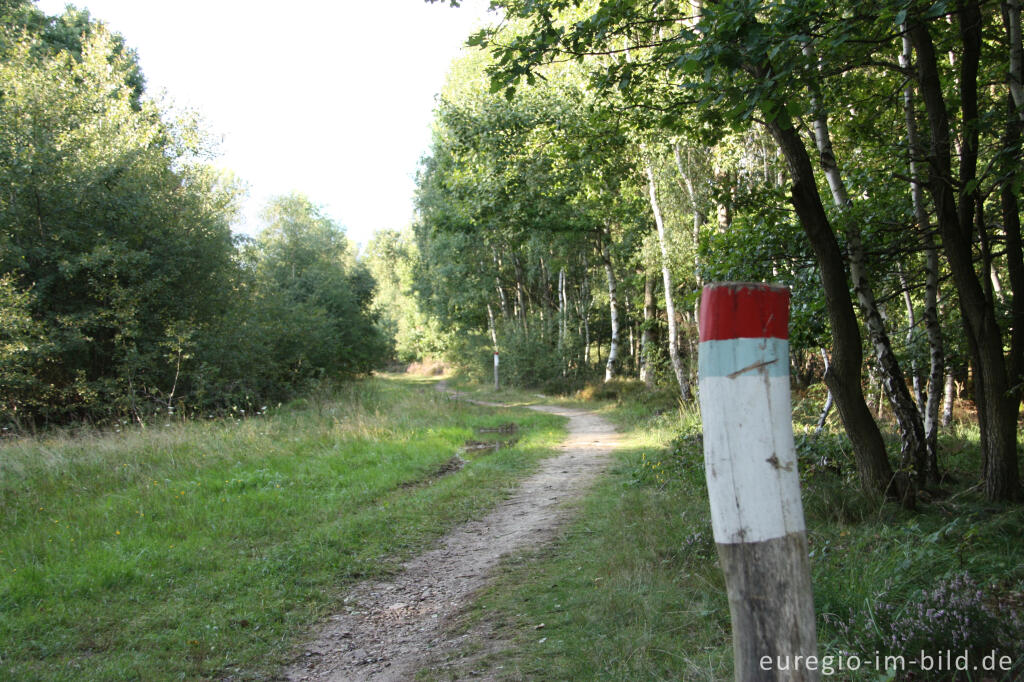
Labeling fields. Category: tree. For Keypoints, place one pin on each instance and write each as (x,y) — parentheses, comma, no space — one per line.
(685,75)
(958,204)
(726,64)
(531,192)
(391,257)
(303,258)
(110,228)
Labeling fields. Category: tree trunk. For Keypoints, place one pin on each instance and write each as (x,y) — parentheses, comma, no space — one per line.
(647,335)
(997,409)
(997,285)
(613,305)
(908,303)
(1014,252)
(936,356)
(520,295)
(670,308)
(1011,13)
(545,286)
(723,211)
(1010,203)
(843,376)
(699,219)
(913,453)
(506,313)
(563,321)
(699,216)
(828,401)
(491,327)
(936,346)
(880,402)
(948,396)
(630,325)
(585,312)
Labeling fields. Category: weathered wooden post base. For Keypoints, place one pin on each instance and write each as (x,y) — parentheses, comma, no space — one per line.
(753,485)
(770,602)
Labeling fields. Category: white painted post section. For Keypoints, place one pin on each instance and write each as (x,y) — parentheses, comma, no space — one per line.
(495,370)
(753,485)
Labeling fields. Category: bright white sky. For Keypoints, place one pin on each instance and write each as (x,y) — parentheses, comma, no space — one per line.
(332,98)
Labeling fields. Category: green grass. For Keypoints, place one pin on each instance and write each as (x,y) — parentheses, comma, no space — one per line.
(508,395)
(632,590)
(208,549)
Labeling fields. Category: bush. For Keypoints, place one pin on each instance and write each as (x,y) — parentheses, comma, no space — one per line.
(529,359)
(621,390)
(953,616)
(122,291)
(427,367)
(560,385)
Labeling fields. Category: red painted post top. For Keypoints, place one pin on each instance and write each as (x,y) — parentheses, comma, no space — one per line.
(744,310)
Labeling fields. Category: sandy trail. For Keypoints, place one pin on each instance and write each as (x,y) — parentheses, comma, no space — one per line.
(392,628)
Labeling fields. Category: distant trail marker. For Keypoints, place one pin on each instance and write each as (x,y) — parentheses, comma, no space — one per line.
(753,485)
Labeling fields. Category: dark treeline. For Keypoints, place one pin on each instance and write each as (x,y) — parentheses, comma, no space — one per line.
(594,163)
(122,290)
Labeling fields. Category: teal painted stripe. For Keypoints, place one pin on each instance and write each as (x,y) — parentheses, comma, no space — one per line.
(726,357)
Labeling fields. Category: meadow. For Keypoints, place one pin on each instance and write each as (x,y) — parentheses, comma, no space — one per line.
(207,549)
(632,589)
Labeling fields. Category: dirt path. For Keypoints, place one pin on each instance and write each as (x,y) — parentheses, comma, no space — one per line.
(391,629)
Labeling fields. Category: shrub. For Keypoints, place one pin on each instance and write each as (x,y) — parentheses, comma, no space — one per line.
(616,389)
(561,385)
(529,359)
(427,367)
(953,616)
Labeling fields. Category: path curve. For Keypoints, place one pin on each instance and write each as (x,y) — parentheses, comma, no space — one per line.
(392,628)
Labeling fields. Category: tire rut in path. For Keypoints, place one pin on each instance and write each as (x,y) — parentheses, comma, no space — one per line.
(392,628)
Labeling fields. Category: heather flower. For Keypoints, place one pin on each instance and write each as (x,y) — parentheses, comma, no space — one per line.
(952,616)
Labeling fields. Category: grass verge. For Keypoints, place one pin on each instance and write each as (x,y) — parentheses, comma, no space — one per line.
(203,550)
(632,590)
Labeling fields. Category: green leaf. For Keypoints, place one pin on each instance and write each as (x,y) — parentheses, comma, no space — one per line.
(688,64)
(937,10)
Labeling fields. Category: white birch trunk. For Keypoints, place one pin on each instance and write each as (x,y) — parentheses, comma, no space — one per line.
(997,285)
(670,308)
(491,327)
(564,305)
(699,219)
(520,296)
(936,345)
(585,311)
(908,303)
(936,354)
(613,306)
(647,336)
(948,396)
(502,297)
(829,401)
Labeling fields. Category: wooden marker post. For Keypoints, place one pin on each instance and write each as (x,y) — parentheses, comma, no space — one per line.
(495,370)
(750,464)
